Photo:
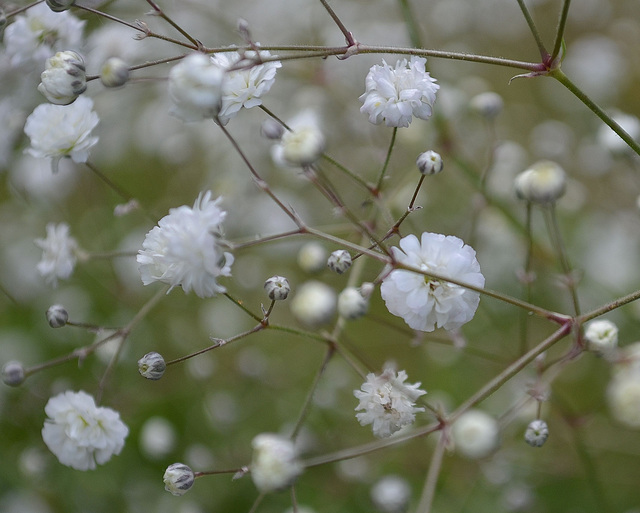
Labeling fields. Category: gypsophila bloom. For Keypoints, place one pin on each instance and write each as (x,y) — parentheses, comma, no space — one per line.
(601,336)
(475,434)
(152,366)
(312,257)
(246,80)
(13,373)
(58,131)
(58,253)
(543,183)
(178,479)
(39,33)
(183,250)
(391,494)
(57,316)
(64,78)
(488,104)
(277,288)
(314,303)
(425,302)
(623,395)
(339,261)
(394,95)
(275,464)
(195,86)
(536,433)
(429,163)
(81,434)
(352,304)
(388,403)
(114,72)
(302,144)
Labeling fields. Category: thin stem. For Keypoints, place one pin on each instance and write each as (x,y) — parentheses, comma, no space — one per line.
(577,92)
(19,10)
(410,22)
(429,490)
(360,181)
(347,35)
(262,240)
(166,18)
(562,23)
(608,307)
(534,30)
(240,304)
(526,278)
(383,171)
(414,197)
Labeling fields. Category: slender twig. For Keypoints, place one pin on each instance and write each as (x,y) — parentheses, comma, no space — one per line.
(562,23)
(429,490)
(19,10)
(360,181)
(347,35)
(383,171)
(634,296)
(170,21)
(534,30)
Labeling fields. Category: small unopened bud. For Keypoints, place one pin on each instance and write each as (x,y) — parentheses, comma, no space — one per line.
(601,336)
(275,464)
(13,373)
(351,303)
(277,288)
(271,129)
(64,78)
(339,261)
(178,479)
(542,183)
(152,366)
(303,146)
(429,163)
(488,104)
(366,289)
(114,72)
(312,257)
(59,5)
(57,316)
(537,433)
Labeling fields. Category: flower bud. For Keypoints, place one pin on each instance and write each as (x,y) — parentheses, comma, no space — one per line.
(59,5)
(277,288)
(339,261)
(475,434)
(13,373)
(314,303)
(488,104)
(303,146)
(152,366)
(64,78)
(623,395)
(537,433)
(275,464)
(271,129)
(114,72)
(601,336)
(312,257)
(57,316)
(351,303)
(178,479)
(429,163)
(391,494)
(542,183)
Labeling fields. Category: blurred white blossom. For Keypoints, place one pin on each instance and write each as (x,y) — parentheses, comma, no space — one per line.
(59,252)
(475,434)
(391,494)
(275,464)
(601,336)
(623,394)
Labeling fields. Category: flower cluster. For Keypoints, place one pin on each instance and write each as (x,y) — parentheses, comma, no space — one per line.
(81,434)
(59,251)
(275,462)
(388,403)
(394,95)
(426,302)
(183,250)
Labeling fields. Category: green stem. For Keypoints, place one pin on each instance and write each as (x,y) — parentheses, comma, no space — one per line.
(410,22)
(383,171)
(608,307)
(166,18)
(562,23)
(533,29)
(347,172)
(429,490)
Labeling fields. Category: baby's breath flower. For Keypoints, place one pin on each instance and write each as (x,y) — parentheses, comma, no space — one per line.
(64,78)
(58,253)
(544,182)
(339,261)
(488,104)
(277,288)
(314,303)
(623,394)
(429,163)
(475,434)
(391,494)
(275,462)
(312,257)
(57,316)
(13,373)
(352,304)
(601,336)
(114,72)
(152,366)
(178,479)
(537,433)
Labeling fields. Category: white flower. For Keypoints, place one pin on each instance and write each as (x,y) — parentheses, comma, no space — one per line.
(39,33)
(544,182)
(475,434)
(195,86)
(395,95)
(81,434)
(178,479)
(388,403)
(314,303)
(601,336)
(183,250)
(58,253)
(623,394)
(352,304)
(536,433)
(302,144)
(64,78)
(244,86)
(391,494)
(424,302)
(429,163)
(275,462)
(58,131)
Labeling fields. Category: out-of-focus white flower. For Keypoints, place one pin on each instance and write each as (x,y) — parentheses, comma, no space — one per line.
(13,373)
(425,302)
(352,304)
(391,494)
(601,336)
(39,33)
(183,250)
(623,394)
(612,141)
(64,78)
(388,403)
(81,434)
(195,86)
(312,257)
(488,104)
(157,437)
(475,434)
(114,72)
(394,95)
(58,131)
(275,464)
(544,182)
(57,316)
(302,144)
(59,252)
(314,303)
(178,479)
(246,80)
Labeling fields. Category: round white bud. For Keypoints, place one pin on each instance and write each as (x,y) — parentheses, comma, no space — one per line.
(13,373)
(114,72)
(312,257)
(391,494)
(59,5)
(314,303)
(351,303)
(366,289)
(601,336)
(152,366)
(623,394)
(178,479)
(536,433)
(277,288)
(271,129)
(339,261)
(542,183)
(275,464)
(302,147)
(64,78)
(429,163)
(57,316)
(475,434)
(488,104)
